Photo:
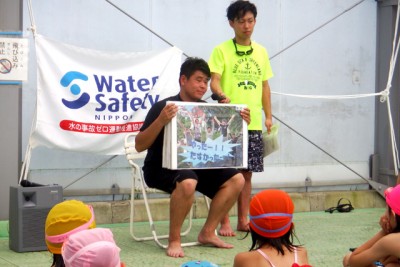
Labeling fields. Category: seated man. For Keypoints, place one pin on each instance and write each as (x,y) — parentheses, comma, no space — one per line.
(221,185)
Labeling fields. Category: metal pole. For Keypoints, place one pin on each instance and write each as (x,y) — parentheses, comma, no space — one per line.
(10,111)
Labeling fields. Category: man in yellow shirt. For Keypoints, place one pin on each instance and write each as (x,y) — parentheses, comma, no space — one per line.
(240,70)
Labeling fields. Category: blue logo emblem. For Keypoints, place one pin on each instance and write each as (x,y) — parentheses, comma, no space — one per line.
(66,80)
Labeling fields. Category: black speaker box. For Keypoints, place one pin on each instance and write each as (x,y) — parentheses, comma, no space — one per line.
(28,210)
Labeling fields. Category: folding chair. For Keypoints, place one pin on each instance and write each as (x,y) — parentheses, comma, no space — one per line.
(137,177)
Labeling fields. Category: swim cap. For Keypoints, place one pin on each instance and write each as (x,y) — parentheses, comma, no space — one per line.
(271,213)
(64,219)
(91,248)
(392,195)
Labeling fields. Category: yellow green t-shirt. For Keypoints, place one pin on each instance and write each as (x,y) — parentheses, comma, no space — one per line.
(242,76)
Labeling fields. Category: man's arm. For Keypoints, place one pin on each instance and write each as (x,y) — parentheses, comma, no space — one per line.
(216,88)
(147,137)
(266,103)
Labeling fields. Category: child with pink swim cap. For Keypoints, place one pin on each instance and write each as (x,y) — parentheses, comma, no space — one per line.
(91,248)
(383,247)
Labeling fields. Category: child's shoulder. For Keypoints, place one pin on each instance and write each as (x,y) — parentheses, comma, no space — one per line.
(243,259)
(302,254)
(301,249)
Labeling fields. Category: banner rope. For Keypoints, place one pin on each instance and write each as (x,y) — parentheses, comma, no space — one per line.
(316,29)
(141,24)
(392,65)
(32,19)
(92,170)
(331,96)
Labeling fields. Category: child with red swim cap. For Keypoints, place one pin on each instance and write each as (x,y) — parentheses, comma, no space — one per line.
(272,232)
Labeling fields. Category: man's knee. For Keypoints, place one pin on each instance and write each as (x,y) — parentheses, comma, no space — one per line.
(238,180)
(247,175)
(186,187)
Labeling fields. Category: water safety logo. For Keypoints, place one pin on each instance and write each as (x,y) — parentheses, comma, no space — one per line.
(68,81)
(117,100)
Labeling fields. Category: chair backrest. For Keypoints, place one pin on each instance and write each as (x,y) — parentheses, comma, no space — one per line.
(131,155)
(130,150)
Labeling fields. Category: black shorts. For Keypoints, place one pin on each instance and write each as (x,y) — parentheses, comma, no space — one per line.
(208,180)
(255,152)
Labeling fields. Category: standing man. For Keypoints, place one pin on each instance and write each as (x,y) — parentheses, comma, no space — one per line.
(240,70)
(221,185)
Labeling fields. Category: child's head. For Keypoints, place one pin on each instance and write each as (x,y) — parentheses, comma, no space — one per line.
(271,214)
(392,195)
(91,248)
(64,219)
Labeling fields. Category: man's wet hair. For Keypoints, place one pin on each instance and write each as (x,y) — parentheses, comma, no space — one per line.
(193,64)
(238,9)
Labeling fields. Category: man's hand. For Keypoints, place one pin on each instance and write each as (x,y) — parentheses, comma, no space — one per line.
(168,112)
(245,113)
(268,125)
(221,98)
(225,100)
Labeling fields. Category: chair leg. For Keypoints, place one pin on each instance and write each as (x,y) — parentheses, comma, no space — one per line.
(137,175)
(207,200)
(132,215)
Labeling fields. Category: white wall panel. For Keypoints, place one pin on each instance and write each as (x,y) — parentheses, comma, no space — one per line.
(337,59)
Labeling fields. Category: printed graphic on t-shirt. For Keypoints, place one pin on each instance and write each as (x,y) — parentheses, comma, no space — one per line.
(247,73)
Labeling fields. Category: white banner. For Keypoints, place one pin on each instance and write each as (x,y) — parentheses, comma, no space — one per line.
(88,100)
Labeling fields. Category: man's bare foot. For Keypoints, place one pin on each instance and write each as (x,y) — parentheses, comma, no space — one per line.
(226,230)
(212,239)
(175,250)
(243,227)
